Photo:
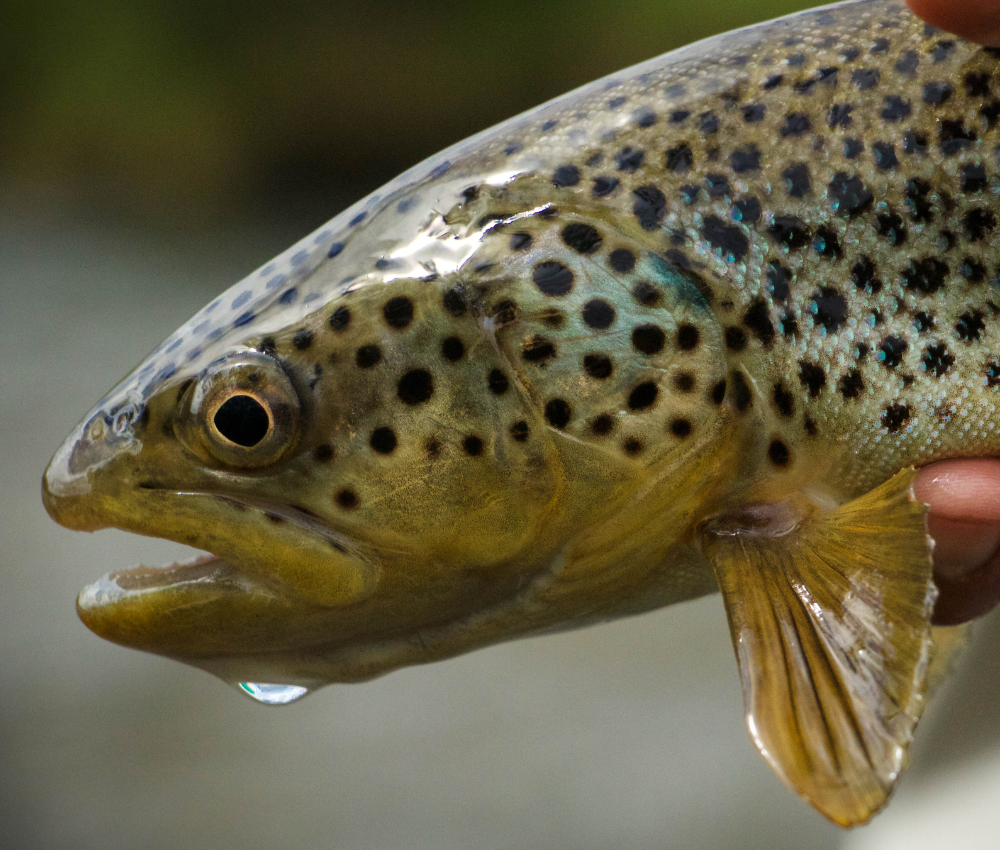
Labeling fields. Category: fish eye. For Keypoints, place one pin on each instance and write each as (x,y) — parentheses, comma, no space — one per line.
(243,411)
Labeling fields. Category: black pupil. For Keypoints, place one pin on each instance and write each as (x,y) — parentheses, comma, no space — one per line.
(243,420)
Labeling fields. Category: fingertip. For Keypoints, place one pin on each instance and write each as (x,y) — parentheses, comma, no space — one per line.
(976,20)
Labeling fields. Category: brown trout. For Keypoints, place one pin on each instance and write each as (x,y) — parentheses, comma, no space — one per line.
(687,328)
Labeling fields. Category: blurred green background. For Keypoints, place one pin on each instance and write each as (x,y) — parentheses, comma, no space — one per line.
(151,154)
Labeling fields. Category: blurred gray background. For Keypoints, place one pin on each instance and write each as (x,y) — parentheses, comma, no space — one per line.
(151,154)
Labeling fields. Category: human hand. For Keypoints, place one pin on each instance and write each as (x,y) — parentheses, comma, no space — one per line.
(976,20)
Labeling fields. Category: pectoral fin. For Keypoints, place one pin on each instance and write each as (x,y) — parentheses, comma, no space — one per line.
(830,619)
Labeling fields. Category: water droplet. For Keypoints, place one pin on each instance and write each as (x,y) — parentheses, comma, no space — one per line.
(273,694)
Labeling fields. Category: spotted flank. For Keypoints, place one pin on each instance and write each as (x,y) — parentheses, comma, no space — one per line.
(689,327)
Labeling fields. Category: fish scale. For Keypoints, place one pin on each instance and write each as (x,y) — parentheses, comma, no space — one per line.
(686,328)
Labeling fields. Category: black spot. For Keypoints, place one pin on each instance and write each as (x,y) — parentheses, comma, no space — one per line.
(717,185)
(923,321)
(629,159)
(825,243)
(936,93)
(643,396)
(954,137)
(853,148)
(323,453)
(896,109)
(773,82)
(880,45)
(972,270)
(718,392)
(383,441)
(937,359)
(978,223)
(977,84)
(597,366)
(891,351)
(926,276)
(747,210)
(916,192)
(680,427)
(758,319)
(689,194)
(829,308)
(742,396)
(646,293)
(632,446)
(840,115)
(648,339)
(649,206)
(778,453)
(866,78)
(993,374)
(688,337)
(398,312)
(538,350)
(797,180)
(644,117)
(895,416)
(340,319)
(582,238)
(885,155)
(347,499)
(519,431)
(520,241)
(970,325)
(452,349)
(603,186)
(415,387)
(796,124)
(850,54)
(907,62)
(777,280)
(367,356)
(622,260)
(890,226)
(915,143)
(473,446)
(602,425)
(789,231)
(684,382)
(848,194)
(566,175)
(745,159)
(679,116)
(784,401)
(552,278)
(302,339)
(598,314)
(974,178)
(736,338)
(616,102)
(267,346)
(454,299)
(708,123)
(811,428)
(990,112)
(558,413)
(812,376)
(851,385)
(497,382)
(679,159)
(729,240)
(754,113)
(941,51)
(504,312)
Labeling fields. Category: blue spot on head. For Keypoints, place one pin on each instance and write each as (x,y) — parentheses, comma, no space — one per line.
(549,125)
(312,296)
(288,296)
(335,249)
(175,344)
(193,354)
(275,282)
(242,319)
(405,205)
(241,299)
(264,272)
(300,257)
(360,217)
(213,305)
(440,170)
(321,237)
(214,335)
(166,372)
(513,148)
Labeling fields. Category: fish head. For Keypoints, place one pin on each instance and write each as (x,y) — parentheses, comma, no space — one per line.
(380,469)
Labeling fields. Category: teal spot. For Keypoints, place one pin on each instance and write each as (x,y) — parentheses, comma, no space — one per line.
(670,276)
